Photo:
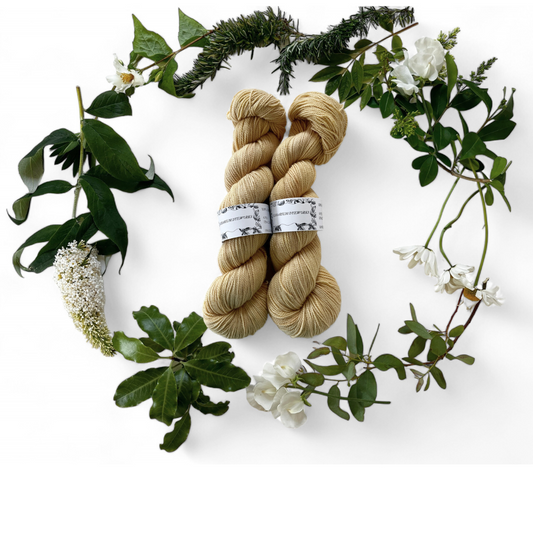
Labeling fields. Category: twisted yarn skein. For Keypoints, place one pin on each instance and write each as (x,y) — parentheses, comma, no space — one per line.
(304,299)
(236,303)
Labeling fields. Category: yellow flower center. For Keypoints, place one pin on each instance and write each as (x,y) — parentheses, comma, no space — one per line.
(127,77)
(471,295)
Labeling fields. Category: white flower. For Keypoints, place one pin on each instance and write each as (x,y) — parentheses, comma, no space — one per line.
(429,60)
(405,82)
(124,78)
(79,278)
(419,255)
(288,406)
(261,395)
(454,278)
(490,296)
(283,370)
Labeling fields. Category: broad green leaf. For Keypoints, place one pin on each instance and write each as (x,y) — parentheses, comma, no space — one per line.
(417,144)
(396,44)
(428,171)
(358,411)
(404,330)
(497,130)
(213,351)
(418,328)
(191,329)
(164,398)
(357,76)
(138,388)
(498,167)
(467,359)
(451,70)
(184,391)
(444,159)
(149,44)
(110,104)
(413,361)
(147,341)
(463,124)
(104,210)
(351,336)
(338,356)
(489,195)
(386,104)
(366,388)
(330,370)
(312,379)
(335,59)
(327,73)
(350,372)
(417,347)
(438,346)
(43,235)
(336,342)
(482,94)
(498,185)
(472,146)
(112,151)
(190,30)
(456,331)
(332,85)
(365,96)
(507,112)
(442,136)
(334,401)
(31,166)
(362,43)
(465,100)
(351,99)
(419,161)
(133,349)
(207,407)
(223,376)
(386,361)
(345,86)
(167,81)
(156,325)
(21,207)
(438,377)
(173,440)
(318,352)
(439,100)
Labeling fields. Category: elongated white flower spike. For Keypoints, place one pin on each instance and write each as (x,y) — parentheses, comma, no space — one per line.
(124,78)
(79,278)
(419,255)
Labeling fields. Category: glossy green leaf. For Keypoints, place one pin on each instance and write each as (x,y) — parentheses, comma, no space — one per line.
(396,44)
(191,329)
(498,167)
(156,325)
(164,398)
(207,407)
(336,342)
(365,96)
(147,341)
(357,76)
(327,73)
(438,377)
(456,331)
(358,411)
(417,144)
(213,351)
(190,30)
(444,159)
(451,70)
(110,104)
(332,85)
(418,328)
(489,195)
(465,100)
(329,370)
(147,43)
(507,112)
(166,83)
(351,99)
(184,392)
(428,171)
(318,352)
(335,59)
(439,100)
(442,136)
(473,145)
(351,336)
(366,388)
(173,440)
(312,379)
(498,185)
(386,104)
(482,94)
(112,151)
(138,388)
(387,361)
(43,235)
(417,347)
(223,375)
(419,161)
(133,349)
(438,346)
(497,130)
(334,401)
(345,86)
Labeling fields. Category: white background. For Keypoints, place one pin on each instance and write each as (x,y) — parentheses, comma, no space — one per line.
(64,440)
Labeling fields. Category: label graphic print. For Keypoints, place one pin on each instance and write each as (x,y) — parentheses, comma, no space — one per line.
(297,214)
(244,219)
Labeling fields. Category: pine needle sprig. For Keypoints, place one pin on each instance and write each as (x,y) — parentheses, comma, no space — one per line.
(313,48)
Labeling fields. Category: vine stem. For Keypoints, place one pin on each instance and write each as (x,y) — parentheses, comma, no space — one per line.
(486,244)
(80,168)
(456,175)
(441,212)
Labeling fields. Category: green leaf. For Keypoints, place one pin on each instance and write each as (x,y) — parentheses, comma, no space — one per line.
(350,372)
(133,349)
(334,401)
(438,346)
(386,361)
(438,376)
(463,124)
(21,207)
(489,195)
(417,347)
(147,43)
(507,112)
(332,85)
(451,69)
(358,411)
(465,100)
(428,171)
(31,166)
(330,370)
(417,144)
(190,30)
(102,205)
(318,352)
(336,342)
(419,161)
(351,336)
(345,86)
(472,146)
(442,136)
(498,167)
(166,83)
(335,59)
(184,392)
(312,379)
(366,388)
(110,104)
(43,235)
(207,407)
(327,73)
(223,376)
(396,44)
(458,330)
(444,159)
(386,104)
(191,329)
(467,359)
(418,328)
(482,94)
(404,330)
(112,151)
(213,351)
(147,341)
(164,397)
(357,76)
(498,185)
(138,388)
(497,130)
(439,100)
(173,440)
(156,325)
(365,97)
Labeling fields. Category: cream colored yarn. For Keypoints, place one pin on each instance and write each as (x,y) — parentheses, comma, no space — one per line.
(303,297)
(236,303)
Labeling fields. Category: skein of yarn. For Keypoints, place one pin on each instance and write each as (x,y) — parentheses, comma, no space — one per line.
(304,299)
(236,303)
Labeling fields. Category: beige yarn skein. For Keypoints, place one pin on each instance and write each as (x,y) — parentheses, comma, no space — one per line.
(236,303)
(304,299)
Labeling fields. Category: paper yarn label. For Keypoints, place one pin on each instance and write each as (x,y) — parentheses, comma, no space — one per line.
(244,219)
(297,214)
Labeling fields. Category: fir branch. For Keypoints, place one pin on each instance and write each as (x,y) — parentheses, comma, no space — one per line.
(313,48)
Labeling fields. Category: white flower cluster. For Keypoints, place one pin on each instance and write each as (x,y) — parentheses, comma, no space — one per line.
(270,394)
(79,278)
(426,64)
(452,279)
